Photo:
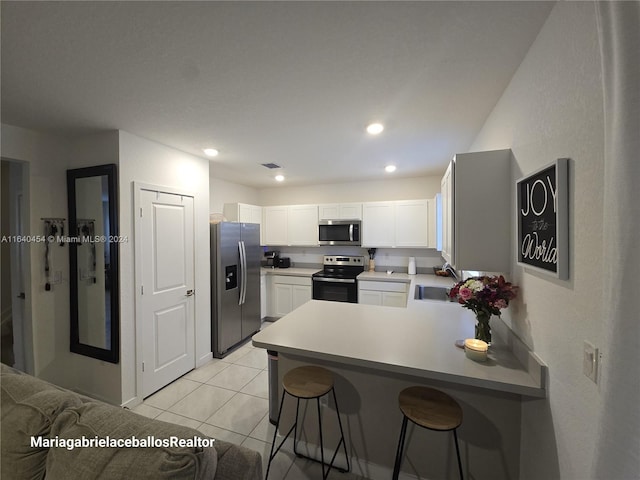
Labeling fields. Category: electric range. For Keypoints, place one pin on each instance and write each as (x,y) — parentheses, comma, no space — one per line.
(337,281)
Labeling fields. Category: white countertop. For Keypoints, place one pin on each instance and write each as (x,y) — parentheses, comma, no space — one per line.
(419,279)
(293,271)
(417,340)
(386,277)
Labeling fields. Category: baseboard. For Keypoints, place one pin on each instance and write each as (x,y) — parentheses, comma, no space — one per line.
(132,403)
(204,359)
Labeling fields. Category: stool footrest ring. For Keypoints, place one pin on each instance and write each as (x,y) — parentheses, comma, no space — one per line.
(330,464)
(294,428)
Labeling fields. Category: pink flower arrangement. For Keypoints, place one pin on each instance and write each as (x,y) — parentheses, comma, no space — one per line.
(485,294)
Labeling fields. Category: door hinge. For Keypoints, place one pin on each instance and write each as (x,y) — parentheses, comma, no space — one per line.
(143,366)
(140,211)
(141,289)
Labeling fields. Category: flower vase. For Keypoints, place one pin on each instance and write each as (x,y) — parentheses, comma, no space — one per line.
(483,329)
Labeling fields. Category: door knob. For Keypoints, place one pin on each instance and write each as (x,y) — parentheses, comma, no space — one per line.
(190,293)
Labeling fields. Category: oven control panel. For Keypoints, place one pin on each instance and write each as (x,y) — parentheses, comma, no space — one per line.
(344,260)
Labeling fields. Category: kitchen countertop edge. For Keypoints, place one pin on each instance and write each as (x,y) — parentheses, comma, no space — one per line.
(304,333)
(290,271)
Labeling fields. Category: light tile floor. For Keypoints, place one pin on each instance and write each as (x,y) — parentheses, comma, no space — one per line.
(228,399)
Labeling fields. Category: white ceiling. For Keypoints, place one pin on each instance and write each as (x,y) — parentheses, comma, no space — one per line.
(292,83)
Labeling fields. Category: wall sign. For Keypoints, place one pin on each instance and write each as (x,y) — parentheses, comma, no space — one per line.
(542,220)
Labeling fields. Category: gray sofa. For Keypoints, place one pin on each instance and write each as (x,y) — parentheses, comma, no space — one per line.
(34,408)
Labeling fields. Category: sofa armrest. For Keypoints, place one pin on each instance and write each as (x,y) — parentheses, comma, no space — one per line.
(236,462)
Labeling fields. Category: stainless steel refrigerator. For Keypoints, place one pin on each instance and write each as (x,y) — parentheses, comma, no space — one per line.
(235,284)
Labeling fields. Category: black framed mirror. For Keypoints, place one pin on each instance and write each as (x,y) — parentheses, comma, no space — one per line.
(93,258)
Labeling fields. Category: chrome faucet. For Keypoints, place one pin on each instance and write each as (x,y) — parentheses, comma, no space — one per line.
(449,269)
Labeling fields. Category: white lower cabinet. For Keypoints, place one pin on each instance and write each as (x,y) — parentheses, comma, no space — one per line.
(389,294)
(288,293)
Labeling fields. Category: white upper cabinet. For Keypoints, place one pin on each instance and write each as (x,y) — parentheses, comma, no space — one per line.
(275,225)
(476,211)
(446,192)
(340,211)
(436,210)
(303,225)
(243,213)
(412,223)
(290,225)
(403,223)
(378,224)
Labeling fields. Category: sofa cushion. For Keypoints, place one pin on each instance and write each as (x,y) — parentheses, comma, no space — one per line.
(29,407)
(236,462)
(95,420)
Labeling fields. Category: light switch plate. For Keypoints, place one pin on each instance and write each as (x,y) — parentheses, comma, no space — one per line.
(590,361)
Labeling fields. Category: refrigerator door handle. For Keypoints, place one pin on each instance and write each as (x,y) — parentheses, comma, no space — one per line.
(243,273)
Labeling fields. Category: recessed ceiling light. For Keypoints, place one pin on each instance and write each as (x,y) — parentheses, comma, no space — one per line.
(390,168)
(375,128)
(210,152)
(279,178)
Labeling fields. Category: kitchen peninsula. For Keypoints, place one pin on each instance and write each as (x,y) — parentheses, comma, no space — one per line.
(376,351)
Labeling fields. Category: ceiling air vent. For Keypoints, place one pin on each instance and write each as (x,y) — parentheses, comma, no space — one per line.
(271,165)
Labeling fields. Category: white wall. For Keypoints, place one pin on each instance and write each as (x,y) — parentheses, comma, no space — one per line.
(49,157)
(222,191)
(366,191)
(148,162)
(553,108)
(92,377)
(49,325)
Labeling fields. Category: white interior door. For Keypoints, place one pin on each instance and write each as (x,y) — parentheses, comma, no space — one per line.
(167,310)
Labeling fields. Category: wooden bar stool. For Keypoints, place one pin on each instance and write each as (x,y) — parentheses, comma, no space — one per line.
(428,408)
(308,383)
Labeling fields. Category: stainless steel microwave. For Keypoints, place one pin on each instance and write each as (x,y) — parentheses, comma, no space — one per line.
(339,232)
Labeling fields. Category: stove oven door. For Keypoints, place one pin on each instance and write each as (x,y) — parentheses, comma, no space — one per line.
(335,289)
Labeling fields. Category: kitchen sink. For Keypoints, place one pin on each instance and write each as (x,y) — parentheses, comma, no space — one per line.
(426,292)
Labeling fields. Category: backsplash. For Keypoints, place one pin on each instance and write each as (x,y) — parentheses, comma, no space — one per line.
(396,259)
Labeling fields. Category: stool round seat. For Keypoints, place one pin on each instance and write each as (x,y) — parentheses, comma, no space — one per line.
(430,408)
(308,382)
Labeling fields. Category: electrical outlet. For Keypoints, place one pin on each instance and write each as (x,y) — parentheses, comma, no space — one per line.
(590,361)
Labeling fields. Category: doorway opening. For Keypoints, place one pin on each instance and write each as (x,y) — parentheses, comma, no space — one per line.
(15,306)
